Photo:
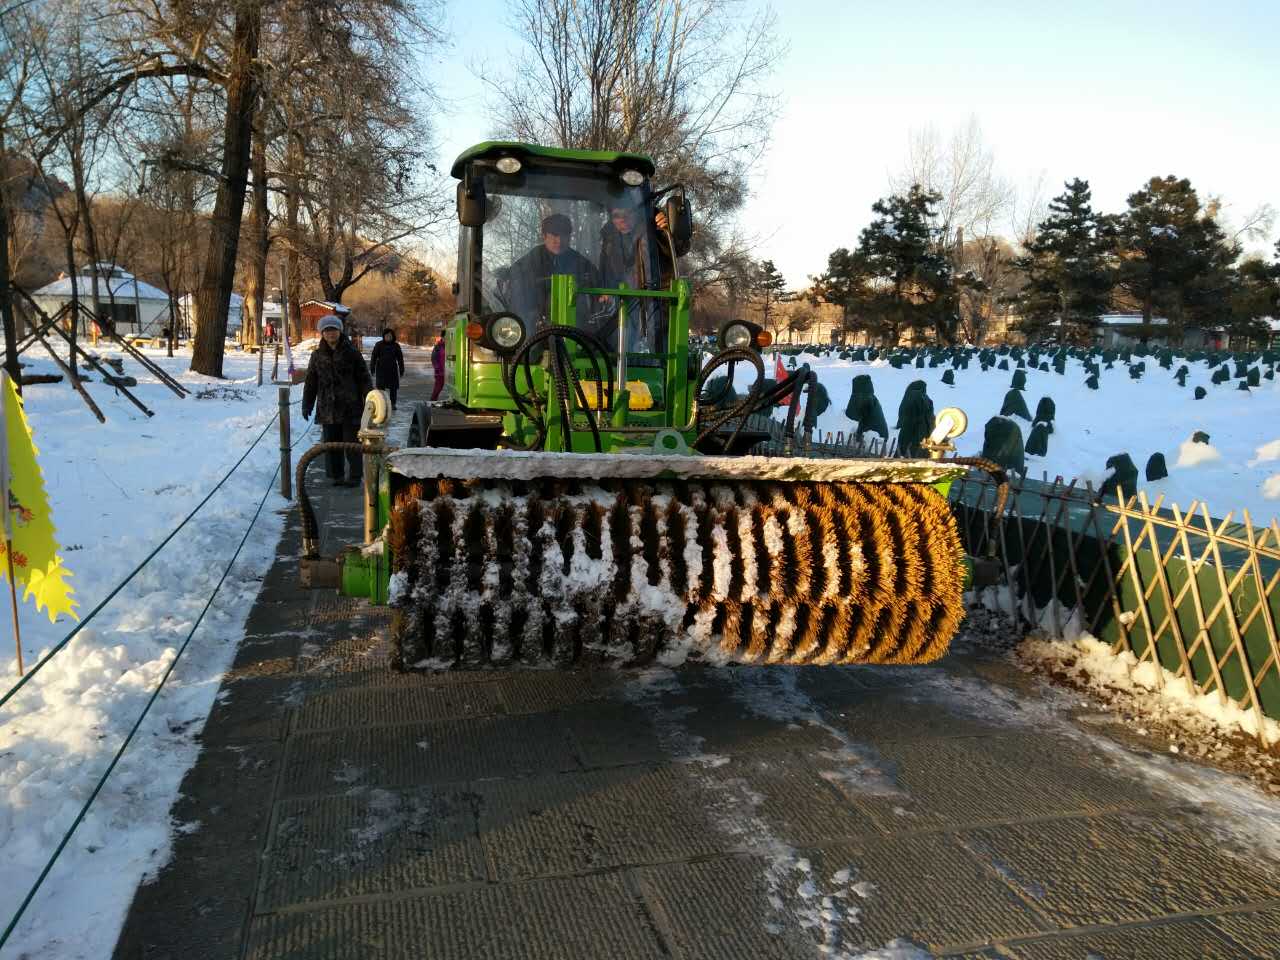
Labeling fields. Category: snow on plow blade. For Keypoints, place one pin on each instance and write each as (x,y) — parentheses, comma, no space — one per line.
(508,558)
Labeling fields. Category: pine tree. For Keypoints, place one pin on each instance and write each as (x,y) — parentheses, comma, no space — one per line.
(1255,297)
(769,286)
(909,277)
(1068,268)
(1173,256)
(843,285)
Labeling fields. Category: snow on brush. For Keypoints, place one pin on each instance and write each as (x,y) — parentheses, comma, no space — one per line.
(116,490)
(1139,417)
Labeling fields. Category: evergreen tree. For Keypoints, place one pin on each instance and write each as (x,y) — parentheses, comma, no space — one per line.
(1255,297)
(1173,258)
(1068,268)
(842,284)
(909,281)
(769,287)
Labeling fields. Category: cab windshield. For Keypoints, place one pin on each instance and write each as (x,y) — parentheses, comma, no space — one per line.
(541,223)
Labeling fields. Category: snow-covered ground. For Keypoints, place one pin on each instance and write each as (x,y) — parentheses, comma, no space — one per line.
(1138,417)
(117,489)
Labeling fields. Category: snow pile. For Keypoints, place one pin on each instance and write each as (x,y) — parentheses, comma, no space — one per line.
(116,491)
(1192,453)
(1151,414)
(1157,692)
(1267,451)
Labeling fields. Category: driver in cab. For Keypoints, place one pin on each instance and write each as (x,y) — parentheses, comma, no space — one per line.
(531,274)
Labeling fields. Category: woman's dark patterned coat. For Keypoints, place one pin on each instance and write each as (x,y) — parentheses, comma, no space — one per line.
(337,382)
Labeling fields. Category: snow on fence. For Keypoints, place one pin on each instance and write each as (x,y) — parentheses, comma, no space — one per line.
(1197,596)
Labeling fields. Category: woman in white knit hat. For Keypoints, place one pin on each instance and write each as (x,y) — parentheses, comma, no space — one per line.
(337,382)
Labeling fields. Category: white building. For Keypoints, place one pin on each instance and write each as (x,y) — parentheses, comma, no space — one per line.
(235,314)
(137,308)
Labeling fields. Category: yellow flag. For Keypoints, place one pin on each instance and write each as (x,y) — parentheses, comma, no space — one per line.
(28,524)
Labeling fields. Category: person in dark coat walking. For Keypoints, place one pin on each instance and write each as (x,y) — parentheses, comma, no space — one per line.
(437,367)
(387,361)
(337,383)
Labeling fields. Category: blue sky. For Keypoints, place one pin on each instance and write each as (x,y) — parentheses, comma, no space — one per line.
(1113,92)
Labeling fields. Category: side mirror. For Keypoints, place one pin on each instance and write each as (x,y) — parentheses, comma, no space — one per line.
(680,222)
(471,203)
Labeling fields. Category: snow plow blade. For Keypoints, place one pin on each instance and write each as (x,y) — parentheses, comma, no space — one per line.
(507,558)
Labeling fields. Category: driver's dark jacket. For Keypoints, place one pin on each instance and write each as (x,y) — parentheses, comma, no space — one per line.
(530,282)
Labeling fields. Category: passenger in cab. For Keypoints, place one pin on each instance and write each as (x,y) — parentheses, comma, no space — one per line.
(530,279)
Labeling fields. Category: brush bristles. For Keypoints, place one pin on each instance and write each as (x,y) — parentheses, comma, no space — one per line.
(562,572)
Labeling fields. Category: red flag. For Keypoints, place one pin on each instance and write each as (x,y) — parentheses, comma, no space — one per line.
(780,374)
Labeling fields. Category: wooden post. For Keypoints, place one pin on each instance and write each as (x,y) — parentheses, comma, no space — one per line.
(13,604)
(286,473)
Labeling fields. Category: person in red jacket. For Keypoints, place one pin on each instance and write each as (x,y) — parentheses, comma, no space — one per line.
(437,367)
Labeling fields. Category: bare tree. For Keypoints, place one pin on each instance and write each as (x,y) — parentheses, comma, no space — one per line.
(1256,225)
(963,170)
(687,82)
(1029,208)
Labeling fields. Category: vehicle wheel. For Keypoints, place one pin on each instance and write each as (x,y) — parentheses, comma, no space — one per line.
(419,425)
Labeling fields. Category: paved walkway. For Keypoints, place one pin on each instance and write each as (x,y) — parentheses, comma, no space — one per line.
(349,812)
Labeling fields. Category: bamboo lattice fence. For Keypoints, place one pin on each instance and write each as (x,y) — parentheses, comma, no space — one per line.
(1195,595)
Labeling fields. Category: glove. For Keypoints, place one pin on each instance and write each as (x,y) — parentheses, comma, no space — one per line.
(306,414)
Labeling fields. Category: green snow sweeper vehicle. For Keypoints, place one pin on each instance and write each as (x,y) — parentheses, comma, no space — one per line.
(575,496)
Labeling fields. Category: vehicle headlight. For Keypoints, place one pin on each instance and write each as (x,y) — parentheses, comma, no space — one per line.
(509,165)
(632,178)
(506,332)
(736,335)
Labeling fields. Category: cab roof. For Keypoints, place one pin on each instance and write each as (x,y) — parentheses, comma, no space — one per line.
(507,148)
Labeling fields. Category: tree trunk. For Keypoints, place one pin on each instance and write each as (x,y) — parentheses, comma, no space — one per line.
(213,297)
(293,272)
(6,300)
(256,286)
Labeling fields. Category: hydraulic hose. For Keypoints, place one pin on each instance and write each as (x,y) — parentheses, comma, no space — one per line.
(563,376)
(310,534)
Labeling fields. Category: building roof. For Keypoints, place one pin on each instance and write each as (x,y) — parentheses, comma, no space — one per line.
(237,301)
(332,307)
(1129,319)
(123,288)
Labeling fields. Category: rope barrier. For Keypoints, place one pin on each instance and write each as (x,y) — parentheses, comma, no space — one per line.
(136,570)
(84,810)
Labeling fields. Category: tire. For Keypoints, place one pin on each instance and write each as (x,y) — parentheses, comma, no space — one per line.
(419,425)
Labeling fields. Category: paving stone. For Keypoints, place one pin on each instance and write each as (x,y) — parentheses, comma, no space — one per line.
(222,806)
(877,716)
(1121,867)
(929,889)
(370,841)
(370,706)
(735,907)
(579,822)
(1188,938)
(610,734)
(878,676)
(1256,931)
(261,655)
(425,754)
(195,908)
(725,726)
(563,919)
(252,708)
(541,691)
(789,794)
(969,780)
